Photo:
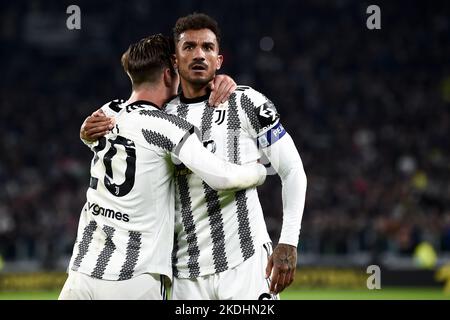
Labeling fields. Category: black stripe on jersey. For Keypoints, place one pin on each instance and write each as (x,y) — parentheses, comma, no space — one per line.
(158,140)
(176,246)
(182,110)
(132,255)
(83,246)
(216,225)
(249,109)
(188,225)
(180,123)
(233,128)
(213,204)
(206,124)
(244,230)
(105,255)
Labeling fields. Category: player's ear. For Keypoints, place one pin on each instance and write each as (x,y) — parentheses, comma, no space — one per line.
(167,77)
(219,61)
(174,61)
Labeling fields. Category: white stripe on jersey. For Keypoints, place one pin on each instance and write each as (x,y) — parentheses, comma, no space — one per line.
(215,231)
(126,226)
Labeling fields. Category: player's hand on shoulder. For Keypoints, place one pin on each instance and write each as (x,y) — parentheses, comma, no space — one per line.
(222,86)
(96,126)
(282,266)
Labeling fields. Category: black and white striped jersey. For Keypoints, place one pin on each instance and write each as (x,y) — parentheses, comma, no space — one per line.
(215,231)
(126,226)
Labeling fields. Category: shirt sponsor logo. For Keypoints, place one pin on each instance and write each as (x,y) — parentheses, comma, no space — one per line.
(108,213)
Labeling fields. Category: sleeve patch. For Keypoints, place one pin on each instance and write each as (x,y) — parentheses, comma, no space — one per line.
(267,114)
(271,136)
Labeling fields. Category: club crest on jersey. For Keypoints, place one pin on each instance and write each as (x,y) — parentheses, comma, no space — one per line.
(220,117)
(210,145)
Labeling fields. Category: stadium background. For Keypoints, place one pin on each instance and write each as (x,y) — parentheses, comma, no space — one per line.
(368,110)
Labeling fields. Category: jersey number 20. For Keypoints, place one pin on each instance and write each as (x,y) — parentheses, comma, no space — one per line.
(130,170)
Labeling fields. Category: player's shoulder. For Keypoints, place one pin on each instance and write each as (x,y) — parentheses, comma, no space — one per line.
(260,111)
(172,105)
(113,107)
(246,95)
(165,120)
(141,108)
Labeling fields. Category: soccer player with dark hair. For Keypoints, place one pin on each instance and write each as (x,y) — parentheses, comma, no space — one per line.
(125,232)
(222,249)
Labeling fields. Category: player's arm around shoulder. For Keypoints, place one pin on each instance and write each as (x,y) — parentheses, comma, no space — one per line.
(99,123)
(216,172)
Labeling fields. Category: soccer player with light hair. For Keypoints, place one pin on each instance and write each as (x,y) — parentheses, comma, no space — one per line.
(125,232)
(222,249)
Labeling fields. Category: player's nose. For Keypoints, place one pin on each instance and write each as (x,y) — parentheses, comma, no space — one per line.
(199,53)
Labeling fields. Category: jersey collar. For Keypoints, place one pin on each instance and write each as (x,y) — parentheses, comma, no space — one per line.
(194,100)
(144,102)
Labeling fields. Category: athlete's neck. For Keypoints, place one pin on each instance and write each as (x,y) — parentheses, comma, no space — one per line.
(194,91)
(147,94)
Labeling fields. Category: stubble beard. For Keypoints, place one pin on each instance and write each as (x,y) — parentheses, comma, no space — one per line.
(197,82)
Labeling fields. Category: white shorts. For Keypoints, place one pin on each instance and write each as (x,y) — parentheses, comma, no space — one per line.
(246,281)
(80,286)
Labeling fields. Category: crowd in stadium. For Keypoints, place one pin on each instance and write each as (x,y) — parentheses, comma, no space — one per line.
(368,110)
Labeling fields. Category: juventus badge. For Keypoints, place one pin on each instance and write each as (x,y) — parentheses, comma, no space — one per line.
(220,117)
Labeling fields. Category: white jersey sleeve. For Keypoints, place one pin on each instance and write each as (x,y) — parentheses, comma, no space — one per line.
(286,161)
(277,145)
(217,173)
(260,112)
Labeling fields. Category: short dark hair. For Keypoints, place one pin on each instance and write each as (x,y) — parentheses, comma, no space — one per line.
(195,21)
(146,59)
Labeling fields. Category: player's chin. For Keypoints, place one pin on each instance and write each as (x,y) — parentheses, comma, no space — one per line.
(200,80)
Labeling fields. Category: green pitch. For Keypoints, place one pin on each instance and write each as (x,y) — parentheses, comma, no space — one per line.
(382,294)
(292,294)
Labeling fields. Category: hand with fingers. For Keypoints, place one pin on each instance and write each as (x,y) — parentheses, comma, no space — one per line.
(282,266)
(96,126)
(222,86)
